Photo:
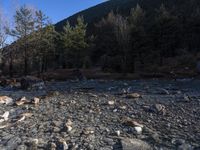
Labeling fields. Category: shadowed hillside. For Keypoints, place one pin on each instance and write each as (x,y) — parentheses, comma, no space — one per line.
(117,36)
(96,13)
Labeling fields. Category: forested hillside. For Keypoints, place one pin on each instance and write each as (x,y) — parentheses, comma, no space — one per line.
(96,13)
(127,36)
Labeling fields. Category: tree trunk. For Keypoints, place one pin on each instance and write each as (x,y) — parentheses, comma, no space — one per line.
(43,64)
(11,66)
(39,67)
(25,59)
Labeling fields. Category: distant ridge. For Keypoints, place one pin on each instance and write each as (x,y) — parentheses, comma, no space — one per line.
(94,14)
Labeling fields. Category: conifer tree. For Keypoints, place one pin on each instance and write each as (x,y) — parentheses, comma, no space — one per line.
(24,25)
(165,34)
(138,37)
(74,41)
(43,40)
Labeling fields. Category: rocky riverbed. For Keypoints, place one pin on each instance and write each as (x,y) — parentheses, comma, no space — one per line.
(103,115)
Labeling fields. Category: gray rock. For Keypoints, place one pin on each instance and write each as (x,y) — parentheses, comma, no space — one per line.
(109,141)
(155,137)
(6,136)
(158,108)
(163,91)
(56,129)
(186,98)
(106,148)
(134,144)
(178,141)
(57,123)
(22,147)
(13,143)
(185,147)
(2,147)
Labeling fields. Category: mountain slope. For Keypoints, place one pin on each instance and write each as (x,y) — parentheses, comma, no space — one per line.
(95,13)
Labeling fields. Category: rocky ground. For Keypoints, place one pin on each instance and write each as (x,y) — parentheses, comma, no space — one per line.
(103,115)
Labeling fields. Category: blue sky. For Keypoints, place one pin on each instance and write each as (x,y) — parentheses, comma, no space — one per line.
(55,9)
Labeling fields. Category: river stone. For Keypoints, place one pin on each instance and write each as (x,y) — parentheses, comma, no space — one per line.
(57,123)
(13,143)
(2,147)
(109,141)
(134,144)
(158,108)
(185,147)
(32,83)
(22,147)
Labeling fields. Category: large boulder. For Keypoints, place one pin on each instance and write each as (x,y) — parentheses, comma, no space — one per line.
(134,144)
(32,83)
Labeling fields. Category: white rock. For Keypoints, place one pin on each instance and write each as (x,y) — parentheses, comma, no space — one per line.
(3,126)
(5,100)
(73,101)
(21,119)
(69,128)
(118,133)
(115,110)
(122,107)
(88,130)
(5,115)
(36,100)
(65,146)
(138,129)
(63,142)
(133,95)
(36,141)
(111,102)
(69,122)
(22,101)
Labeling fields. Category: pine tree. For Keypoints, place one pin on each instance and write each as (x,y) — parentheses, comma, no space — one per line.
(24,25)
(137,16)
(110,48)
(43,40)
(74,42)
(105,30)
(138,37)
(165,34)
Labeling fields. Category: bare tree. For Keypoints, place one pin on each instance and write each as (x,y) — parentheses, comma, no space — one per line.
(3,36)
(3,26)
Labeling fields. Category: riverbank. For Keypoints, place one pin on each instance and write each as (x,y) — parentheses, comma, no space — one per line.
(66,74)
(101,114)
